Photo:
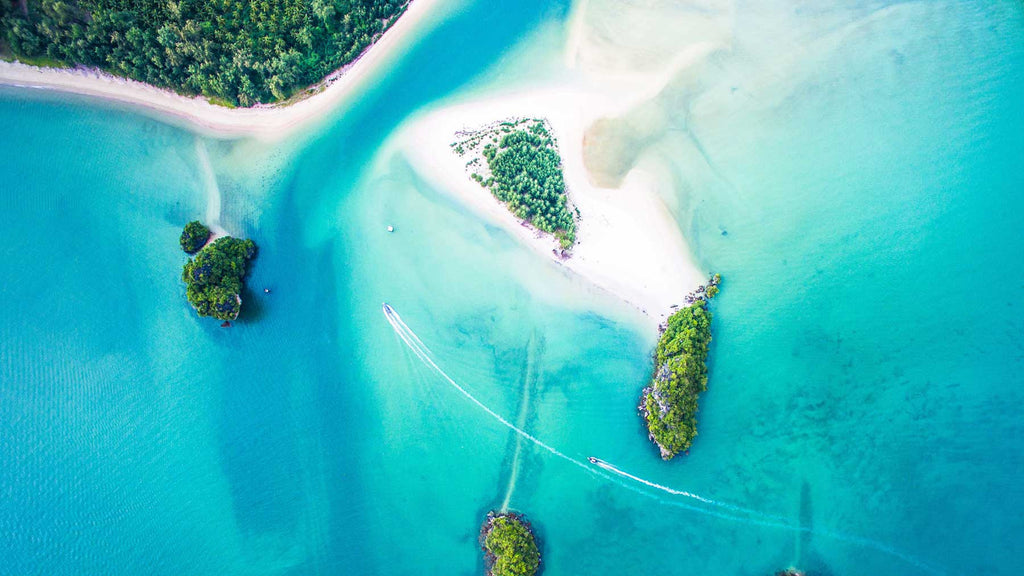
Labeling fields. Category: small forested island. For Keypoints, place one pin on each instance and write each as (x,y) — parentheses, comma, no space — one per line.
(510,548)
(669,404)
(194,237)
(518,161)
(235,52)
(214,278)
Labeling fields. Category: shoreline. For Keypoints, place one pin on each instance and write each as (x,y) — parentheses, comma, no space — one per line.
(627,243)
(265,122)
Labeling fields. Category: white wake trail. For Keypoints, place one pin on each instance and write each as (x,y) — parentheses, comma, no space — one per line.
(423,353)
(732,507)
(615,470)
(760,519)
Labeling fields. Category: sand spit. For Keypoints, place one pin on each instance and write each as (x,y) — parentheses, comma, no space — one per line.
(627,242)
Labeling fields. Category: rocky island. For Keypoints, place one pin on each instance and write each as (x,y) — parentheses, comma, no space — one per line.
(669,404)
(193,237)
(519,162)
(509,545)
(214,277)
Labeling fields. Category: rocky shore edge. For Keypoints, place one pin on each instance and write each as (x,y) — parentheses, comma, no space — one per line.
(703,293)
(485,530)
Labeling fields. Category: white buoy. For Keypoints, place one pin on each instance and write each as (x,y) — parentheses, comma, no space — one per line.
(391,228)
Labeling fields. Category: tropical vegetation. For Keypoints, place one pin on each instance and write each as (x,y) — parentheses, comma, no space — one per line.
(194,237)
(524,170)
(214,278)
(237,52)
(509,545)
(669,403)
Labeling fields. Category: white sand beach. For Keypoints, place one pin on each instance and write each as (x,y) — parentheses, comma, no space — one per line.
(627,242)
(270,122)
(620,64)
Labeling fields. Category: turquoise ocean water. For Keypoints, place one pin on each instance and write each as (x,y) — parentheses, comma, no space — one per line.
(863,410)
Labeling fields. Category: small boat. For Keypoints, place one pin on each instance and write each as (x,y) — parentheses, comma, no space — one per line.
(592,460)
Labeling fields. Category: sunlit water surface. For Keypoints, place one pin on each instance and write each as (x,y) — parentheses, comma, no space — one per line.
(863,410)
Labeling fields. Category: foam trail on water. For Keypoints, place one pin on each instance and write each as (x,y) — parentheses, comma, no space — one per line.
(414,344)
(739,509)
(423,353)
(615,470)
(420,350)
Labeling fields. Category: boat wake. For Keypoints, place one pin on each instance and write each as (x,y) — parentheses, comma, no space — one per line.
(735,513)
(423,353)
(606,466)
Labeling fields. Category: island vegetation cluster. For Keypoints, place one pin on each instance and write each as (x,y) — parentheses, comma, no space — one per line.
(669,404)
(510,548)
(236,52)
(214,277)
(519,162)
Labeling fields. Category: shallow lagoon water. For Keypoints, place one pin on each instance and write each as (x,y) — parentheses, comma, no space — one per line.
(865,375)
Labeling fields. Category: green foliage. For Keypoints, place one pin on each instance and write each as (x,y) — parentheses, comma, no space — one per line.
(214,277)
(237,51)
(669,404)
(510,546)
(527,176)
(194,236)
(712,291)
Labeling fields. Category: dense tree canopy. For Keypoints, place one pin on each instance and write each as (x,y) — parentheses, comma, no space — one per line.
(214,277)
(526,174)
(194,237)
(669,404)
(510,546)
(240,52)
